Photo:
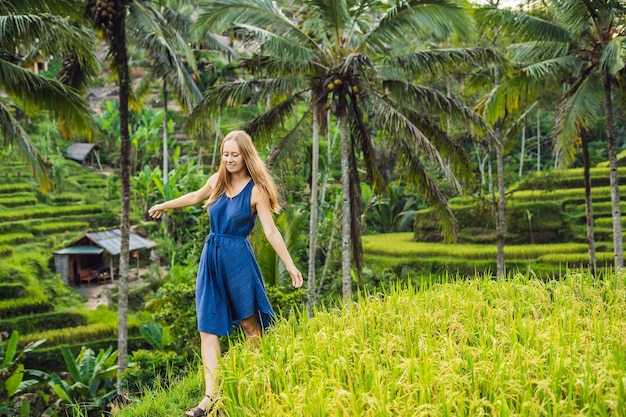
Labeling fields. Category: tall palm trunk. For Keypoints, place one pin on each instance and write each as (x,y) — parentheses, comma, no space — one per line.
(166,154)
(313,220)
(346,260)
(500,206)
(591,244)
(118,42)
(618,253)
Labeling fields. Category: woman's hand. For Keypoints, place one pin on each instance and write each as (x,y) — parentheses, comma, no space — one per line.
(296,276)
(156,211)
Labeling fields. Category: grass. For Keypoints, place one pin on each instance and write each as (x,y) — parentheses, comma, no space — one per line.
(402,245)
(515,347)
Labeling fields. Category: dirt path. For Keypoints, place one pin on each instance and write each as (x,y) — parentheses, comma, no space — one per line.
(100,294)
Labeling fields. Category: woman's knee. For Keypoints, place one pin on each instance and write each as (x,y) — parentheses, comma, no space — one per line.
(251,325)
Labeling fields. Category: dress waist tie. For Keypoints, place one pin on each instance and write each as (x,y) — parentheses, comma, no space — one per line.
(213,241)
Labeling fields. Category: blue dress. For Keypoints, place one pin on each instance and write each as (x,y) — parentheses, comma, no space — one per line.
(229,285)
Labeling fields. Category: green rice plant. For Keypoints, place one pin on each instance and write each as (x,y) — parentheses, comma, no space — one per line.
(14,201)
(14,188)
(597,193)
(45,321)
(5,251)
(602,258)
(607,222)
(15,238)
(57,227)
(84,334)
(11,290)
(402,245)
(511,347)
(46,212)
(24,306)
(66,197)
(571,178)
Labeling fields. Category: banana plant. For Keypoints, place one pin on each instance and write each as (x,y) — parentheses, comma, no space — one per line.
(13,373)
(156,335)
(91,382)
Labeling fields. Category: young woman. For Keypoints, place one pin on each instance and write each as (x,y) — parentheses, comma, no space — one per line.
(229,286)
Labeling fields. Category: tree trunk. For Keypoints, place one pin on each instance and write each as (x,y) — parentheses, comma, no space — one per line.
(591,244)
(500,207)
(346,262)
(521,154)
(618,252)
(538,143)
(313,220)
(121,53)
(166,153)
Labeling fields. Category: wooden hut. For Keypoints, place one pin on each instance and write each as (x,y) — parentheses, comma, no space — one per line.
(93,257)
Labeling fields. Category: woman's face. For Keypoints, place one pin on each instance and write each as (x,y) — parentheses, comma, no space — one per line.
(231,157)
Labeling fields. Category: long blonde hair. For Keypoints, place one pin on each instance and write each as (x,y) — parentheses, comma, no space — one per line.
(254,166)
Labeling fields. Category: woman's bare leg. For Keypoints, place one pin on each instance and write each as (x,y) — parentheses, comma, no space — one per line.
(251,328)
(210,351)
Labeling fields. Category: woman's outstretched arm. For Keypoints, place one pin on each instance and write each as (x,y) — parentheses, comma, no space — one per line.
(189,199)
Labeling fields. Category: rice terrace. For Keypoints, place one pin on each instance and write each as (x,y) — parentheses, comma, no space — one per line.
(450,177)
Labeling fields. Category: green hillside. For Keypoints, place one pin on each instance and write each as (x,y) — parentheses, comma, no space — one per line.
(33,298)
(546,230)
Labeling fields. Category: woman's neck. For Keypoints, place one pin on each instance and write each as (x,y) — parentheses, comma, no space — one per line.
(239,177)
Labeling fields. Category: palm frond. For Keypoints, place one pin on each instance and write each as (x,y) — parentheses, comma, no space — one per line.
(534,51)
(213,42)
(50,34)
(360,135)
(458,167)
(73,72)
(37,92)
(265,19)
(153,32)
(401,129)
(71,8)
(410,143)
(438,61)
(235,93)
(522,26)
(334,13)
(547,70)
(525,86)
(613,55)
(166,44)
(267,66)
(409,95)
(14,134)
(262,126)
(289,142)
(422,18)
(144,87)
(577,109)
(577,15)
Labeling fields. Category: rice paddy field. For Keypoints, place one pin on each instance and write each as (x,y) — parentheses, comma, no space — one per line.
(473,347)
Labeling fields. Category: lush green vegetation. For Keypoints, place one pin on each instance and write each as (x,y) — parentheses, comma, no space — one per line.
(478,122)
(519,346)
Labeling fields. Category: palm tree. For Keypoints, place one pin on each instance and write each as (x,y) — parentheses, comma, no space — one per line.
(29,32)
(582,50)
(353,56)
(149,28)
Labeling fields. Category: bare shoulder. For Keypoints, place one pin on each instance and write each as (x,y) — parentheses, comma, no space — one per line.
(212,180)
(259,196)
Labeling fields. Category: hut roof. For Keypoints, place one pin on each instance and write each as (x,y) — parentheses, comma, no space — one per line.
(79,151)
(109,240)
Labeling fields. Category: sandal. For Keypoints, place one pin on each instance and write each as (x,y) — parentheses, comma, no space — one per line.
(198,411)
